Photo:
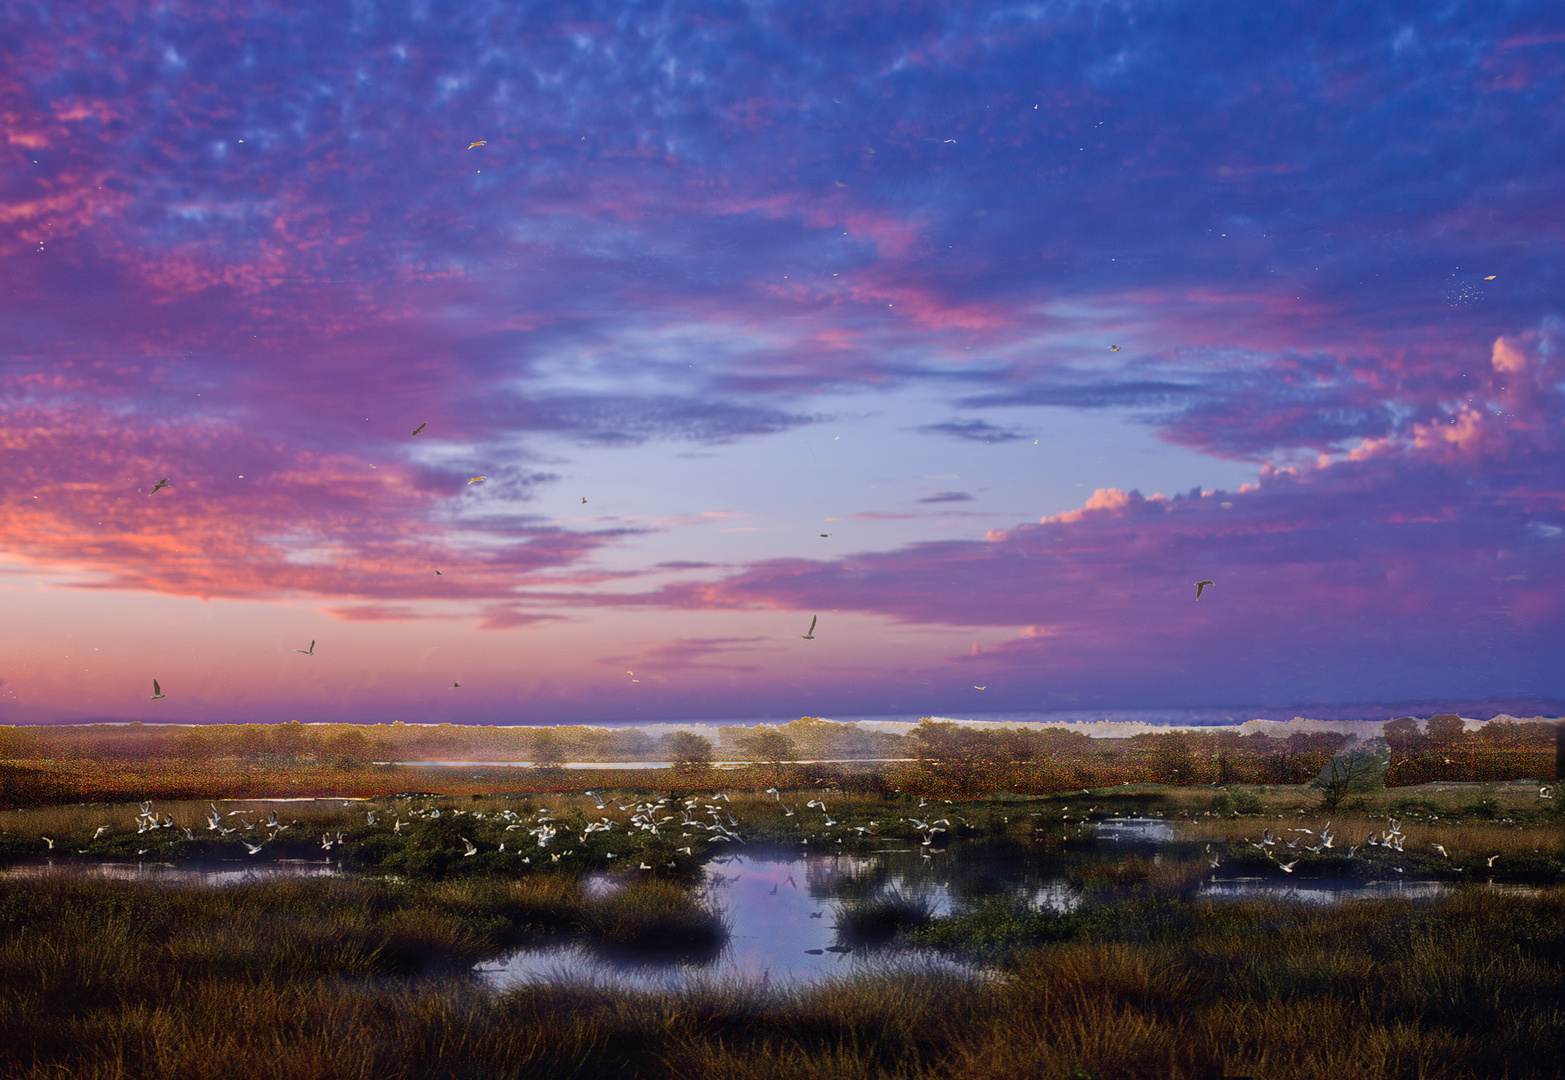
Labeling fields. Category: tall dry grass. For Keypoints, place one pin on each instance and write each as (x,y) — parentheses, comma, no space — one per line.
(324,979)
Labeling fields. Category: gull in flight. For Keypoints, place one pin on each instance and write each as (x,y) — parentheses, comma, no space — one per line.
(161,484)
(1491,861)
(471,850)
(1201,585)
(104,828)
(157,691)
(421,427)
(811,635)
(254,849)
(480,142)
(980,688)
(310,651)
(1114,347)
(1287,868)
(456,685)
(48,841)
(477,480)
(1441,849)
(584,500)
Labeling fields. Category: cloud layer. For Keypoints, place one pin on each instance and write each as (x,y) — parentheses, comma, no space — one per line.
(251,250)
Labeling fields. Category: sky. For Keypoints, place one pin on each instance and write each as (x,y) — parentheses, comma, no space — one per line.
(588,355)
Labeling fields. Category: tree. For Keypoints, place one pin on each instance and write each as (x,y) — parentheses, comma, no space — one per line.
(349,748)
(688,751)
(1171,758)
(943,741)
(1444,729)
(547,749)
(1403,731)
(766,744)
(1359,768)
(288,740)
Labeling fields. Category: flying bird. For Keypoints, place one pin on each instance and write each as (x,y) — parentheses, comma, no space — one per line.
(157,691)
(421,427)
(455,685)
(1114,347)
(478,479)
(104,828)
(438,572)
(980,688)
(310,651)
(584,500)
(1200,586)
(480,142)
(161,484)
(811,635)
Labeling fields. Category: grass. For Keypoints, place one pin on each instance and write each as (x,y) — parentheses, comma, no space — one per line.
(370,976)
(1472,822)
(367,979)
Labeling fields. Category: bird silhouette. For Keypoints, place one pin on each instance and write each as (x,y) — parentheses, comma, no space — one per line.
(310,651)
(157,691)
(811,635)
(421,427)
(480,142)
(161,484)
(478,479)
(1200,587)
(1114,347)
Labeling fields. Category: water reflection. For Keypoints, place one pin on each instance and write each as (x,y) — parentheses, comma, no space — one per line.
(1135,830)
(803,919)
(784,920)
(210,876)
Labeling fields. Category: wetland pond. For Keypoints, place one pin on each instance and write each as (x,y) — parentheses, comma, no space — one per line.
(799,919)
(796,918)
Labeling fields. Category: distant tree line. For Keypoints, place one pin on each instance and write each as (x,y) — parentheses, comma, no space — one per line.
(959,757)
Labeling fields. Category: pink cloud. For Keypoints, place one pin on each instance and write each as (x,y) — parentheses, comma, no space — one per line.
(244,518)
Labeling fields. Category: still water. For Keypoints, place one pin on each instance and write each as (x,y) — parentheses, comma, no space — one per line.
(791,918)
(795,919)
(167,873)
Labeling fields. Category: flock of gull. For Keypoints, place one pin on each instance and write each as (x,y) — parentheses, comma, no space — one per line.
(684,818)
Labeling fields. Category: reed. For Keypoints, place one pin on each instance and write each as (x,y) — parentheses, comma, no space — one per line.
(311,979)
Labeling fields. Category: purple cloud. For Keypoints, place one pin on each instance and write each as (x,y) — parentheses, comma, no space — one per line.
(973,430)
